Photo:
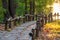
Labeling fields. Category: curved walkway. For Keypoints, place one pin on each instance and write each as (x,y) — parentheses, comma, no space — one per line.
(19,33)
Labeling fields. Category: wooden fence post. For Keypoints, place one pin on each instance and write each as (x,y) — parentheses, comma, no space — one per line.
(50,19)
(23,19)
(27,17)
(9,23)
(45,19)
(33,32)
(37,28)
(6,25)
(31,17)
(18,20)
(15,22)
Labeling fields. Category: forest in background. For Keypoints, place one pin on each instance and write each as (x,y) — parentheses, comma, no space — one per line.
(40,6)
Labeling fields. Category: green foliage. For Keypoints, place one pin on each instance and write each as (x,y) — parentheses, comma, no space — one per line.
(20,7)
(40,6)
(20,10)
(1,11)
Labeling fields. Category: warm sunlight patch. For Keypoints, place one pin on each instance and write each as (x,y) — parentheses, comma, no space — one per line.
(56,8)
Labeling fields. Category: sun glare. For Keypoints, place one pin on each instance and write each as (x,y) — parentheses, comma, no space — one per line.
(56,8)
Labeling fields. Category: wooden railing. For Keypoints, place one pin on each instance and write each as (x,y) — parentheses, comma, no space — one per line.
(12,22)
(41,21)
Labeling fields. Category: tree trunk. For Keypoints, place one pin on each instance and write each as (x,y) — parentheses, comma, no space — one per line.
(12,8)
(31,7)
(25,6)
(4,3)
(5,6)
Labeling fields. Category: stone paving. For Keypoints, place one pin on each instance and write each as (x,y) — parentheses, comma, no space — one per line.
(19,33)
